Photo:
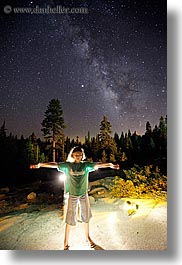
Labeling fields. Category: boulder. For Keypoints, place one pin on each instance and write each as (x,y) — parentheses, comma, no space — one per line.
(2,196)
(92,200)
(4,190)
(31,196)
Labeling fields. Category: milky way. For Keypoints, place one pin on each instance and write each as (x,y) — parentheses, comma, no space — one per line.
(109,61)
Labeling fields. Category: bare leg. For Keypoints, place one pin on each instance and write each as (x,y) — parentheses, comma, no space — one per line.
(87,235)
(86,227)
(65,205)
(67,234)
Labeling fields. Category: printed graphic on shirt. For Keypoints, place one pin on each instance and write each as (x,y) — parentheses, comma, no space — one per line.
(76,173)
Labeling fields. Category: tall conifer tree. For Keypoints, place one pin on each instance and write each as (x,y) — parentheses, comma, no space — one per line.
(53,124)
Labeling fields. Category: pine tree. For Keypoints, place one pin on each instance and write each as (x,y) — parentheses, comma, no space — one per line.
(95,147)
(124,157)
(156,138)
(4,149)
(53,124)
(87,146)
(163,126)
(147,143)
(136,143)
(3,130)
(77,140)
(122,140)
(105,131)
(163,135)
(104,156)
(3,140)
(29,152)
(107,143)
(148,128)
(87,138)
(128,143)
(117,141)
(67,146)
(128,146)
(129,133)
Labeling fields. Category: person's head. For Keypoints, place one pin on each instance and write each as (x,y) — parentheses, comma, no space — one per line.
(76,154)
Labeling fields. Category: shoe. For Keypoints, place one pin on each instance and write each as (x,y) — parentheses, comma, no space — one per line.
(66,247)
(92,244)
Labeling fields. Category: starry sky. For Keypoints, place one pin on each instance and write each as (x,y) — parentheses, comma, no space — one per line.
(103,58)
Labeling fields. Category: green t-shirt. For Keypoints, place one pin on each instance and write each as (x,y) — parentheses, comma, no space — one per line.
(76,182)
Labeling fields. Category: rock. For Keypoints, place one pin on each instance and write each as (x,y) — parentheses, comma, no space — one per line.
(96,190)
(2,196)
(92,200)
(31,196)
(4,190)
(21,206)
(2,203)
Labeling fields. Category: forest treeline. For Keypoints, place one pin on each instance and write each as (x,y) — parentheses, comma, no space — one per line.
(127,149)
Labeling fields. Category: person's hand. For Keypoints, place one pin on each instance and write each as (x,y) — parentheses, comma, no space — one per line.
(115,166)
(35,166)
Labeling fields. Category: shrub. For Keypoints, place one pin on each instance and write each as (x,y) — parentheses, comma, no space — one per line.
(140,183)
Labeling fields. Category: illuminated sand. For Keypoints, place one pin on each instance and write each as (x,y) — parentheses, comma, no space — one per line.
(110,227)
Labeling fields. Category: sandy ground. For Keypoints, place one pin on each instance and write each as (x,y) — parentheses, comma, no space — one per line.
(111,227)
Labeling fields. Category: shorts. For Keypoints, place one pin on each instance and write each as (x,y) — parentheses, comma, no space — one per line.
(72,209)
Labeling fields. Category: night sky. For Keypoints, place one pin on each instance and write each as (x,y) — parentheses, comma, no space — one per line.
(111,60)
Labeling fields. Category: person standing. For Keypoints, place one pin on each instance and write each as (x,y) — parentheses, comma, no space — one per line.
(77,172)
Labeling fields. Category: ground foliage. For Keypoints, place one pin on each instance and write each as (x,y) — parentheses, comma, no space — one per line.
(140,182)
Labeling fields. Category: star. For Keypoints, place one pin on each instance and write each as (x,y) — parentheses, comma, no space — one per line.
(111,61)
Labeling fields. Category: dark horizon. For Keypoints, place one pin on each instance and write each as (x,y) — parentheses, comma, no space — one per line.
(81,139)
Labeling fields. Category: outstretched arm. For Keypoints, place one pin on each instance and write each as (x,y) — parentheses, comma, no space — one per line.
(48,165)
(105,165)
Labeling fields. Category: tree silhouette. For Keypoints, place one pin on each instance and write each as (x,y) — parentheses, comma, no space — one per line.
(53,124)
(3,130)
(107,143)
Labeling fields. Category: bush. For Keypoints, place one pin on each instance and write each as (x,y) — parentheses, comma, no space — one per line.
(140,183)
